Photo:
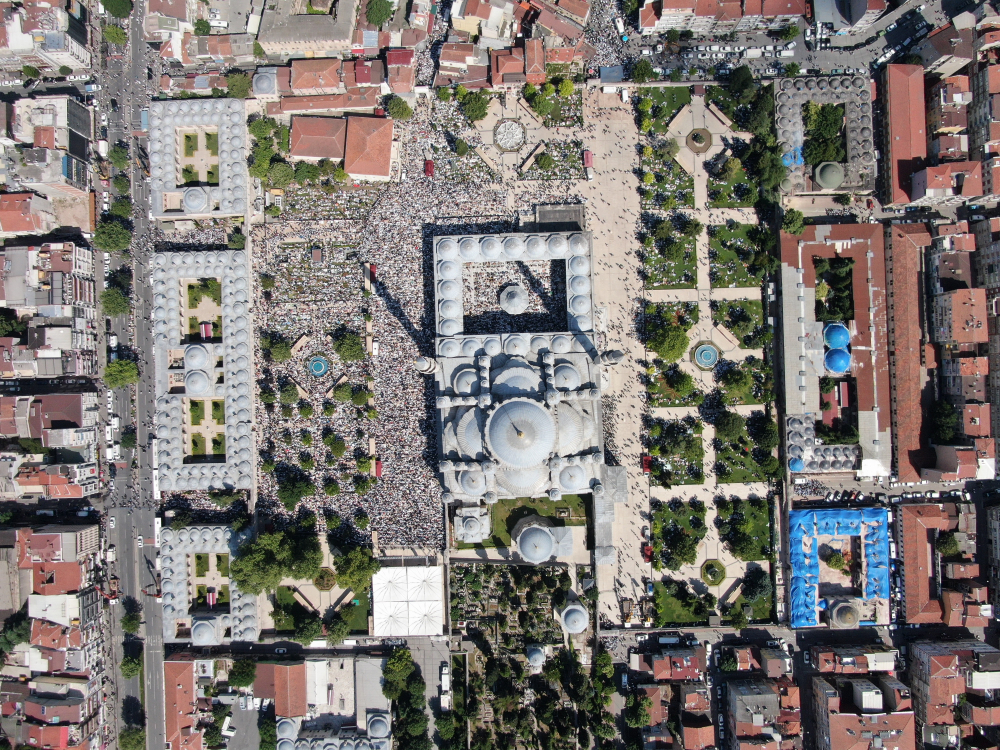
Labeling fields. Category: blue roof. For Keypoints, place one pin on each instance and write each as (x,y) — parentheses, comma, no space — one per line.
(613,74)
(796,464)
(838,361)
(871,524)
(837,336)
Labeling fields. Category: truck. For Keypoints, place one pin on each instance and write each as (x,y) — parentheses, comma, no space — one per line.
(786,53)
(588,164)
(753,54)
(112,551)
(445,687)
(102,148)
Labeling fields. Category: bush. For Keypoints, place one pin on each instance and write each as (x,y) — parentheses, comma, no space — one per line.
(113,34)
(118,8)
(238,85)
(114,303)
(545,161)
(398,109)
(202,27)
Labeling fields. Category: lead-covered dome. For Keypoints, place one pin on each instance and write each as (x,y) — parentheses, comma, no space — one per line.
(535,544)
(521,433)
(195,357)
(536,657)
(575,618)
(196,383)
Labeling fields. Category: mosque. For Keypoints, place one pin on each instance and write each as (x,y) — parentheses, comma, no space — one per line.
(519,414)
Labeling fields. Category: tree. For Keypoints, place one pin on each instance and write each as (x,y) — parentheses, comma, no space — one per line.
(118,8)
(643,71)
(763,431)
(637,711)
(129,440)
(398,109)
(356,568)
(122,184)
(130,666)
(202,27)
(842,199)
(347,344)
(542,106)
(545,161)
(396,672)
(741,84)
(306,172)
(792,69)
(682,382)
(566,87)
(669,342)
(120,373)
(827,384)
(280,174)
(444,94)
(281,351)
(756,584)
(692,228)
(836,561)
(308,629)
(788,33)
(946,544)
(378,12)
(30,71)
(132,738)
(112,237)
(114,34)
(737,619)
(130,622)
(340,175)
(461,92)
(794,222)
(237,241)
(732,169)
(673,36)
(242,673)
(736,377)
(729,426)
(261,127)
(728,663)
(122,208)
(119,158)
(114,303)
(944,421)
(65,70)
(238,85)
(475,106)
(461,147)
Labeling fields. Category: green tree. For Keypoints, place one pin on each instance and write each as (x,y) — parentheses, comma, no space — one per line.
(728,663)
(788,33)
(114,34)
(242,673)
(637,711)
(643,71)
(378,12)
(732,169)
(729,426)
(122,208)
(944,421)
(842,199)
(281,351)
(306,172)
(65,70)
(132,738)
(202,27)
(129,440)
(543,106)
(669,342)
(792,69)
(793,222)
(120,373)
(461,147)
(545,161)
(130,666)
(130,622)
(946,544)
(122,184)
(114,303)
(261,127)
(308,629)
(836,561)
(119,157)
(396,672)
(736,378)
(237,241)
(827,385)
(348,346)
(673,36)
(756,584)
(566,87)
(475,106)
(356,568)
(340,175)
(398,109)
(682,382)
(280,174)
(112,237)
(444,94)
(29,71)
(741,84)
(238,85)
(461,92)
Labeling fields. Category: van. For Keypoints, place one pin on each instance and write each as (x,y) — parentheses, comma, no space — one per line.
(620,25)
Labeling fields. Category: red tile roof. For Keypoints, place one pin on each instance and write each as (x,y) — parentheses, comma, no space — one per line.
(50,737)
(659,707)
(285,684)
(318,137)
(399,57)
(906,134)
(534,60)
(918,522)
(772,8)
(354,99)
(309,75)
(368,152)
(180,697)
(976,420)
(16,215)
(50,635)
(56,578)
(698,731)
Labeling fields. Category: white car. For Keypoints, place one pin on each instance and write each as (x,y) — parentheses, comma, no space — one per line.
(139,541)
(111,522)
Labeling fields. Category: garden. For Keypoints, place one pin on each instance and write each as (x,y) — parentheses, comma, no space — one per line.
(746,382)
(665,184)
(745,526)
(740,459)
(569,510)
(665,327)
(677,530)
(757,591)
(669,258)
(669,385)
(834,288)
(564,162)
(744,319)
(729,186)
(824,133)
(734,256)
(677,604)
(677,453)
(558,102)
(656,106)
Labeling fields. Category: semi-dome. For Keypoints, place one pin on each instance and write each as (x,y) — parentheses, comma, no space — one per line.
(196,383)
(521,433)
(536,657)
(575,618)
(837,336)
(516,378)
(195,357)
(838,361)
(572,478)
(466,382)
(535,544)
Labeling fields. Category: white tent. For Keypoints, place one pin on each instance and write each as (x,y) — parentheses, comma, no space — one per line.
(389,585)
(426,618)
(424,584)
(391,619)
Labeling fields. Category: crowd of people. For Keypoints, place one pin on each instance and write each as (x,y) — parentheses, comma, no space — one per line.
(543,280)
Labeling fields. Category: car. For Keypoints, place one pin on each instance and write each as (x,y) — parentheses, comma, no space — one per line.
(624,680)
(907,41)
(281,650)
(722,732)
(138,539)
(774,644)
(708,680)
(647,52)
(890,27)
(977,217)
(649,588)
(243,703)
(719,692)
(722,719)
(111,522)
(806,659)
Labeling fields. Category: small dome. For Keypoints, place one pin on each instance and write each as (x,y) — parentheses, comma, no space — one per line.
(203,634)
(535,544)
(490,247)
(557,245)
(796,464)
(473,526)
(837,336)
(378,727)
(536,657)
(196,383)
(572,478)
(195,200)
(195,357)
(575,618)
(513,247)
(286,728)
(838,361)
(472,482)
(567,377)
(447,249)
(514,299)
(830,175)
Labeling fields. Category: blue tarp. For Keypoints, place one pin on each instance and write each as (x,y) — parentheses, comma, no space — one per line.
(793,157)
(803,524)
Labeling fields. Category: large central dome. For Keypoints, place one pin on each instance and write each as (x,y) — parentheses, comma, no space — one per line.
(521,433)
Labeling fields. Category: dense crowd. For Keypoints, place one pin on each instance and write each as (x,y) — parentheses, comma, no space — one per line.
(543,280)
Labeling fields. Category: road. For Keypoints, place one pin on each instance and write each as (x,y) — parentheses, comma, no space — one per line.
(133,506)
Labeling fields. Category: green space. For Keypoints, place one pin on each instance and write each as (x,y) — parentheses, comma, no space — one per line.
(223,593)
(212,143)
(193,326)
(666,101)
(204,288)
(662,273)
(676,604)
(743,318)
(567,111)
(213,175)
(753,385)
(677,452)
(570,510)
(190,144)
(734,462)
(834,288)
(677,529)
(668,385)
(358,619)
(189,175)
(735,192)
(219,445)
(222,563)
(218,412)
(824,132)
(567,162)
(671,187)
(197,445)
(197,412)
(745,526)
(201,563)
(732,255)
(287,611)
(713,572)
(217,327)
(761,607)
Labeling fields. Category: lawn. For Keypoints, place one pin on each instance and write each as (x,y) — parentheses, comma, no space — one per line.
(678,453)
(758,391)
(731,253)
(673,188)
(197,412)
(217,327)
(358,621)
(193,329)
(213,175)
(735,193)
(751,520)
(190,144)
(222,563)
(197,445)
(761,607)
(201,563)
(666,101)
(736,457)
(672,610)
(218,412)
(223,593)
(661,273)
(204,288)
(739,317)
(286,610)
(571,510)
(212,143)
(677,531)
(566,111)
(189,175)
(219,445)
